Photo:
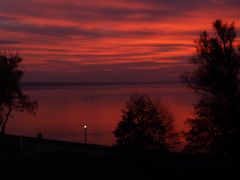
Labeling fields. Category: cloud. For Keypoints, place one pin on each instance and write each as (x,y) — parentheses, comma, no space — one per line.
(8,42)
(127,72)
(44,29)
(80,11)
(76,66)
(10,24)
(108,39)
(189,4)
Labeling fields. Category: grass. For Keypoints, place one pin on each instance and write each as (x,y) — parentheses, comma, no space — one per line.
(63,160)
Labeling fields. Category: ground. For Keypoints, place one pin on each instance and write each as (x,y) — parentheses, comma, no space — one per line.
(46,159)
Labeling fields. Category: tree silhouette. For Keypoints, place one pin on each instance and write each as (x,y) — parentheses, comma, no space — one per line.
(145,125)
(216,126)
(11,97)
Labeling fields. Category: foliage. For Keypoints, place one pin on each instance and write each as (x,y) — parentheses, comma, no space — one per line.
(11,96)
(145,125)
(216,78)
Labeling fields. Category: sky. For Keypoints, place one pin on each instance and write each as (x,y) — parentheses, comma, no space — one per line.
(108,40)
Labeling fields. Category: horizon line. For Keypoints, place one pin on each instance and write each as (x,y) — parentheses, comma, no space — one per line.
(84,83)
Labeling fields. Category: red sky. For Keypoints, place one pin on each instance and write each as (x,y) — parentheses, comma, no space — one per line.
(108,40)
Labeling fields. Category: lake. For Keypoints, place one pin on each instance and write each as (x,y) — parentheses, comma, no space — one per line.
(63,111)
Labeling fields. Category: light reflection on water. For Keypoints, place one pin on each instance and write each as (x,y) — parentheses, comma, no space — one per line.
(63,111)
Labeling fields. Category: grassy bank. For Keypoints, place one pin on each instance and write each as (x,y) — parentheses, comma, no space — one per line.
(47,159)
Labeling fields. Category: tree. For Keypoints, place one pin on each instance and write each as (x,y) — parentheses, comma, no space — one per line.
(11,97)
(216,127)
(145,125)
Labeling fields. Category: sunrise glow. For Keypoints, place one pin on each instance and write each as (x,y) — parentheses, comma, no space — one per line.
(105,41)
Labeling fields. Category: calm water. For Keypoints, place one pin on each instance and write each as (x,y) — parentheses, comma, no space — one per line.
(63,112)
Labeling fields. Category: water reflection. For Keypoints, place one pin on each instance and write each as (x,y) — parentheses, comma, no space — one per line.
(64,111)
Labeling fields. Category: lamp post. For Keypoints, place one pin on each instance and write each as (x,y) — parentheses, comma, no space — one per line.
(21,143)
(85,133)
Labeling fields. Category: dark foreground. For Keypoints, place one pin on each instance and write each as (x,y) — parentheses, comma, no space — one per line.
(45,159)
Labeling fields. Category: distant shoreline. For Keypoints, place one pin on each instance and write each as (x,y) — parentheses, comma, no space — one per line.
(70,84)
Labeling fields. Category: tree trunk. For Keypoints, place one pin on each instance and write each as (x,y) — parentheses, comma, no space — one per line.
(3,127)
(6,120)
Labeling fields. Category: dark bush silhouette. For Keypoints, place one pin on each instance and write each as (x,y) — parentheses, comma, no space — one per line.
(11,96)
(145,125)
(216,78)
